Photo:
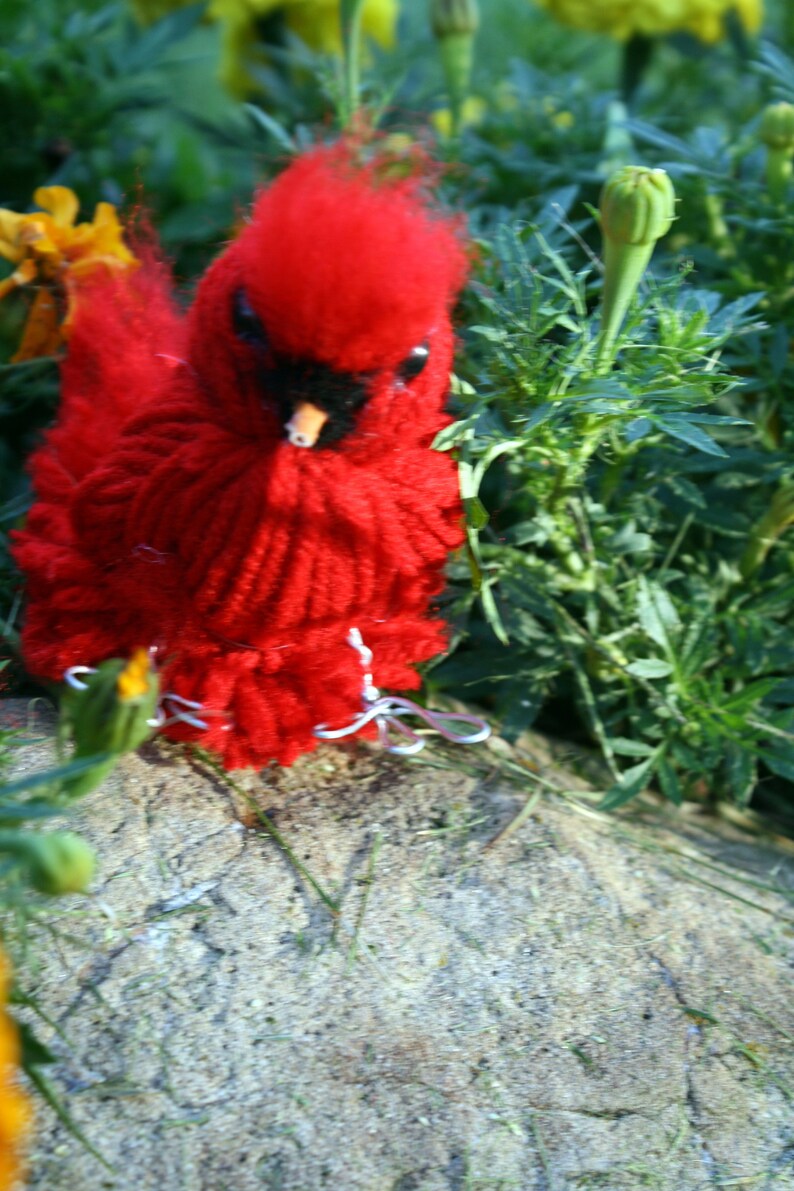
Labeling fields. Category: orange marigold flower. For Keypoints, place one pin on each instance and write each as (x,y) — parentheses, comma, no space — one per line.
(15,1115)
(48,247)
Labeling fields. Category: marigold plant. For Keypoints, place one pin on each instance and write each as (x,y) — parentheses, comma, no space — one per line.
(655,18)
(50,249)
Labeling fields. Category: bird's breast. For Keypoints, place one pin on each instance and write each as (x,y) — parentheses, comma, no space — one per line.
(304,539)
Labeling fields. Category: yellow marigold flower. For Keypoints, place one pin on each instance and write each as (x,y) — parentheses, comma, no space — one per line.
(134,679)
(655,18)
(316,22)
(49,247)
(15,1115)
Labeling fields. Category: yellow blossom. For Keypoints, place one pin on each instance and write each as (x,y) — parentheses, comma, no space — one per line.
(15,1115)
(48,247)
(704,19)
(133,680)
(316,22)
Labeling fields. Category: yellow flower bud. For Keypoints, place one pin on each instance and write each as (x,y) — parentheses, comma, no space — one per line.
(637,206)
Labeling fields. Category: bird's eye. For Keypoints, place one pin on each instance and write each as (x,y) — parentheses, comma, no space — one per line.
(413,363)
(246,322)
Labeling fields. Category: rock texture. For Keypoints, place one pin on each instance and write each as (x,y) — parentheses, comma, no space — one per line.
(590,1003)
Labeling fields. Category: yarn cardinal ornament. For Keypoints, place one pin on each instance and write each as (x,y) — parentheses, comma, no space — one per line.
(240,488)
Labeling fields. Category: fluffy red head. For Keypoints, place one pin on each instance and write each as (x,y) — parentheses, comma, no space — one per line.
(342,272)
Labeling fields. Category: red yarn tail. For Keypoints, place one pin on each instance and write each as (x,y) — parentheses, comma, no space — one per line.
(126,335)
(127,338)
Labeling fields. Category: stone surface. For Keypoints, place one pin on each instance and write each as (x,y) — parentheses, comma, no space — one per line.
(589,1003)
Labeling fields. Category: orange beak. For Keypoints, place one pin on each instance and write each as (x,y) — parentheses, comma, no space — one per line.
(304,427)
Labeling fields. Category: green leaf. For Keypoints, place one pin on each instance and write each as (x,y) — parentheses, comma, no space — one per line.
(649,668)
(630,748)
(476,512)
(685,431)
(33,1050)
(52,777)
(50,1095)
(492,614)
(668,782)
(632,782)
(656,612)
(780,763)
(740,771)
(20,812)
(271,127)
(750,695)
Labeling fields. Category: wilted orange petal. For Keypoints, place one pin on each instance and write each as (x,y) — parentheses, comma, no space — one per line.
(42,334)
(21,276)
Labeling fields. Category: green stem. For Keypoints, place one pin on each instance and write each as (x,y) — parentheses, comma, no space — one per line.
(268,826)
(618,148)
(367,882)
(625,265)
(719,232)
(637,54)
(457,58)
(350,13)
(788,26)
(778,173)
(766,532)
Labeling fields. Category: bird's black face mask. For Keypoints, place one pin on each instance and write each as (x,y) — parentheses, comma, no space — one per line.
(317,404)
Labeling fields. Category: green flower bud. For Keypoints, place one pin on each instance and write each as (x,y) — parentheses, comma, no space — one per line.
(110,715)
(57,862)
(637,206)
(449,17)
(777,126)
(455,24)
(637,209)
(60,862)
(777,133)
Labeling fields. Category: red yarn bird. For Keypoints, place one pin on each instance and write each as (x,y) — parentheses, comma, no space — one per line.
(240,488)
